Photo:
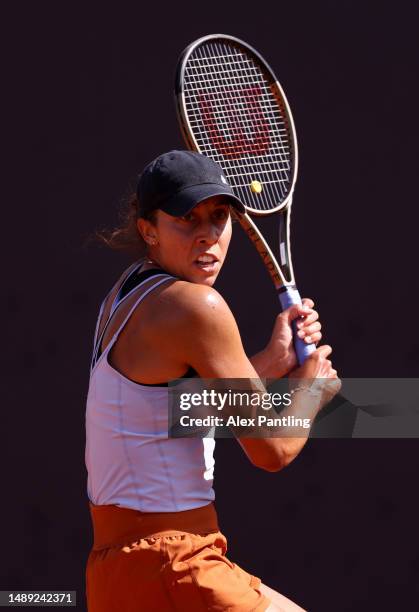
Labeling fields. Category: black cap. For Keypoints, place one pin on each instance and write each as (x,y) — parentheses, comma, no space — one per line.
(177,181)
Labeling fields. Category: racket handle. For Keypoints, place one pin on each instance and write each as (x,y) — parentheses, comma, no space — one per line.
(289,296)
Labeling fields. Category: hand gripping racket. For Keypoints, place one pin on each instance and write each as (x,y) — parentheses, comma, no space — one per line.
(231,108)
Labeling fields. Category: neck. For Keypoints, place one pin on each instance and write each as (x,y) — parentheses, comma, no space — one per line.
(151,261)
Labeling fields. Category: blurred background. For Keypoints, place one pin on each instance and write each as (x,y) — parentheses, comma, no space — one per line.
(88,101)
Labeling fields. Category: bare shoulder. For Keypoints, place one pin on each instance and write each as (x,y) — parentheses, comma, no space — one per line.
(193,325)
(185,317)
(185,293)
(185,301)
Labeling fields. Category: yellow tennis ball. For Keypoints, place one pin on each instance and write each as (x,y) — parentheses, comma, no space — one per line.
(256,187)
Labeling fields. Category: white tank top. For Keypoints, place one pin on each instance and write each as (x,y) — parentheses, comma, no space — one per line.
(129,458)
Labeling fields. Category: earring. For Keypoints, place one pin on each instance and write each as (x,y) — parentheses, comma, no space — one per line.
(152,241)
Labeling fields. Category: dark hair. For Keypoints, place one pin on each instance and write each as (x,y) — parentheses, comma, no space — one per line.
(125,237)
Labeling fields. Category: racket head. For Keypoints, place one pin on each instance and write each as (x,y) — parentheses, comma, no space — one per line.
(232,108)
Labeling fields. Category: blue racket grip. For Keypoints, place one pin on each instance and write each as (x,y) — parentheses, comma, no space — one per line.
(289,296)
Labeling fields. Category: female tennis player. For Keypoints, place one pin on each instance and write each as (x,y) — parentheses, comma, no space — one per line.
(157,544)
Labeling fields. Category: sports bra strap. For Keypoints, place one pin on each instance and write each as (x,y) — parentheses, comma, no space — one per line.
(160,279)
(117,302)
(165,278)
(121,281)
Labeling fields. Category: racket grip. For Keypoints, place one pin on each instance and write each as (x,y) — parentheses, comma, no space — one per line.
(289,296)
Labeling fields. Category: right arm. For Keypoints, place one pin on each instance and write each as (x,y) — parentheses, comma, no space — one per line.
(200,331)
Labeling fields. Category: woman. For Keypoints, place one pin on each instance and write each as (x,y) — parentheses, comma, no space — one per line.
(157,545)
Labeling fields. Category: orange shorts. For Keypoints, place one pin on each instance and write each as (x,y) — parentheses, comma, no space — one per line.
(154,562)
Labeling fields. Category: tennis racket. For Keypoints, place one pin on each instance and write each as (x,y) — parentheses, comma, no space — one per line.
(231,108)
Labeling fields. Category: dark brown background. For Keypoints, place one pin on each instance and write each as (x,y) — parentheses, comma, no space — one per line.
(88,101)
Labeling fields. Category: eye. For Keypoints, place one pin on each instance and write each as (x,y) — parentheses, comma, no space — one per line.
(221,213)
(188,218)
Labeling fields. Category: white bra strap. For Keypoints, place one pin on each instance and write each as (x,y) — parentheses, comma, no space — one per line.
(136,303)
(102,308)
(140,299)
(127,273)
(98,341)
(143,282)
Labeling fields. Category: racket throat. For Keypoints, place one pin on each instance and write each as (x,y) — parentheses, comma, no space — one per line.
(284,248)
(276,272)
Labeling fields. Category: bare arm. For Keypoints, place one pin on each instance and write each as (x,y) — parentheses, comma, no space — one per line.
(200,330)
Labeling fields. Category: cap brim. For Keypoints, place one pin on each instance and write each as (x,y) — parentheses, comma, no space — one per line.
(185,200)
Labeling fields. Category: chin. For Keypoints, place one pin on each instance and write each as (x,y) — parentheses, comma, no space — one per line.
(200,279)
(208,282)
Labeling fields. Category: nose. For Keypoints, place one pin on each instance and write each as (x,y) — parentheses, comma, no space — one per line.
(208,233)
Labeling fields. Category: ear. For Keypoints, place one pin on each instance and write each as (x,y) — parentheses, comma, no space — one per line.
(147,231)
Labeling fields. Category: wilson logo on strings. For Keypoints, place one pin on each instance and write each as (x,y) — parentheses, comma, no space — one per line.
(243,129)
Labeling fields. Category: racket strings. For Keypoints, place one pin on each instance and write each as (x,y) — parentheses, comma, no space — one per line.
(236,120)
(234,127)
(266,180)
(234,108)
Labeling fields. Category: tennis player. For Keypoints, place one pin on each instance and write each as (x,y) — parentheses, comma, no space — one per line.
(157,544)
